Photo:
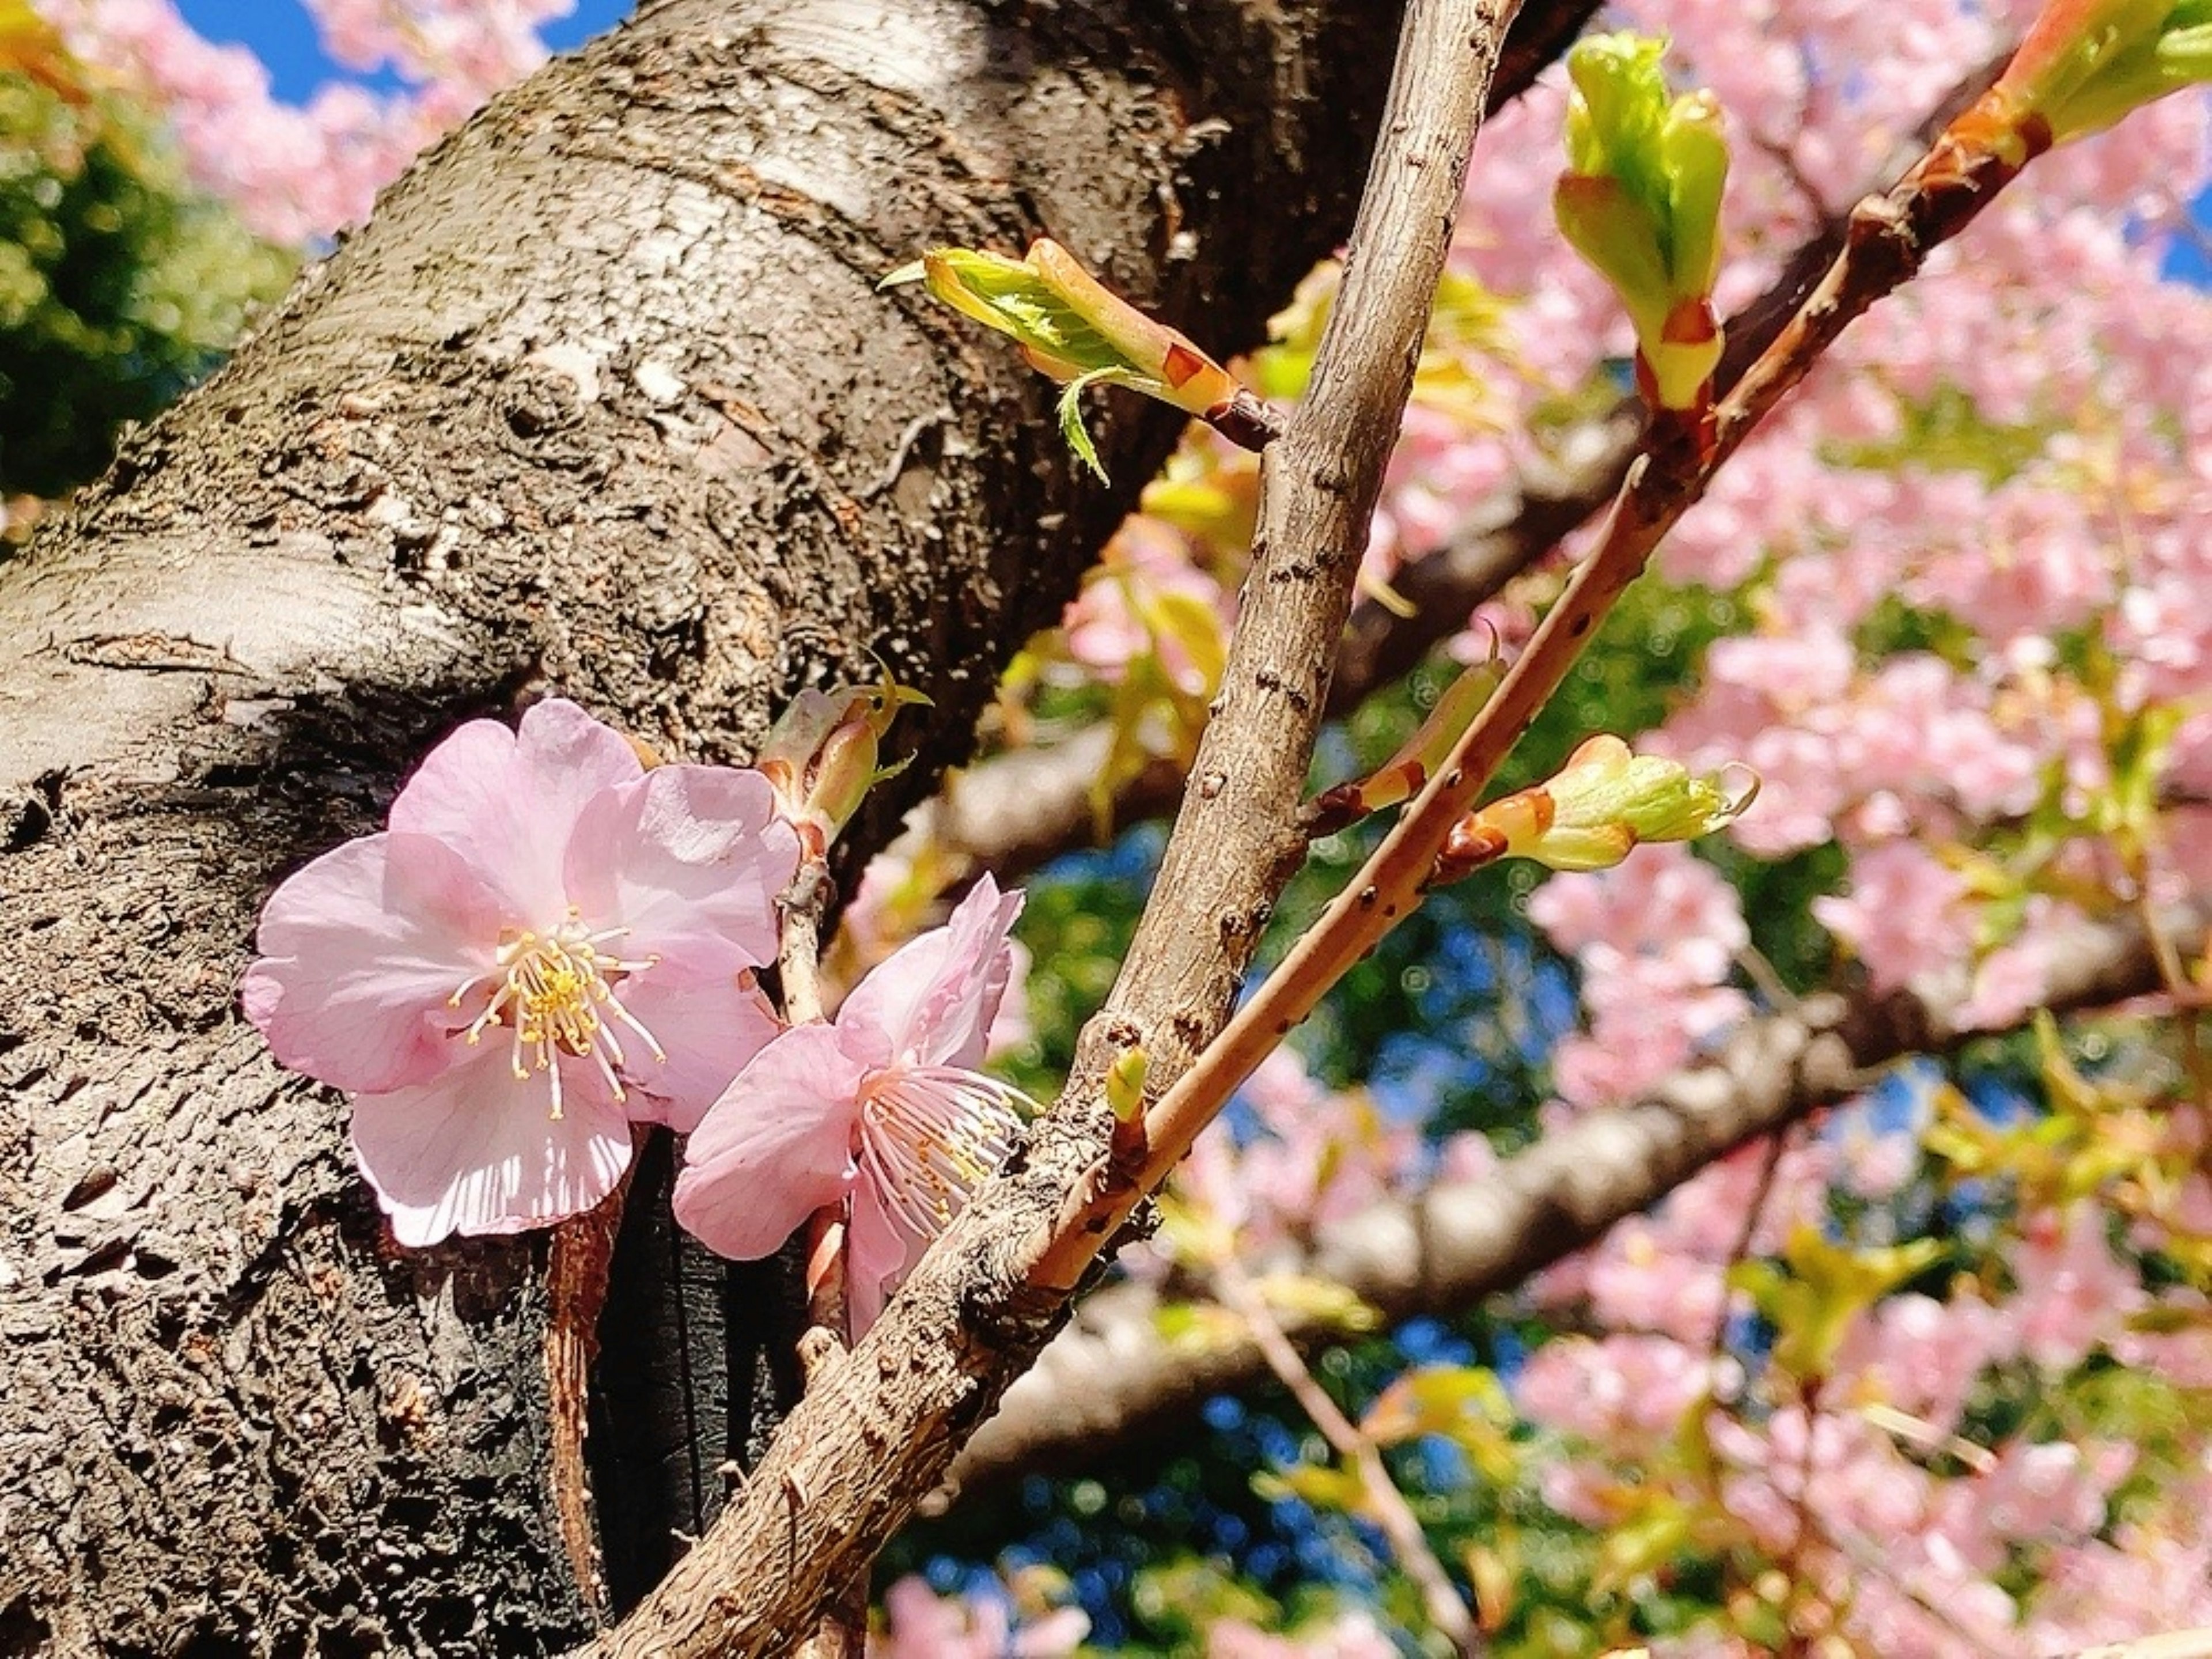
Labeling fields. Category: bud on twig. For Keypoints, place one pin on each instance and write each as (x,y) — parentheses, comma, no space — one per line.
(1641,200)
(1605,801)
(1070,327)
(1405,773)
(2083,65)
(824,755)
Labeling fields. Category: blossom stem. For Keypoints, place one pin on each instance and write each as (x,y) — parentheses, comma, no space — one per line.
(799,950)
(841,1628)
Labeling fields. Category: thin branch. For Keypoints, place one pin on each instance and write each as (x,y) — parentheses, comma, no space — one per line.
(876,1432)
(1447,1609)
(841,1630)
(1888,239)
(2188,998)
(1112,1378)
(1012,812)
(1869,1559)
(1740,1248)
(1237,841)
(2173,1645)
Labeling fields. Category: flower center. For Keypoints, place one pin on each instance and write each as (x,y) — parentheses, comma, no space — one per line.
(555,992)
(931,1135)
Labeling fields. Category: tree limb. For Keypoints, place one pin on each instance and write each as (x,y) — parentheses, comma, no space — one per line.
(872,1439)
(1111,1378)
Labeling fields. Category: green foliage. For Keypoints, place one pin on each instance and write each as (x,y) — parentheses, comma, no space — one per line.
(118,285)
(1778,907)
(1081,921)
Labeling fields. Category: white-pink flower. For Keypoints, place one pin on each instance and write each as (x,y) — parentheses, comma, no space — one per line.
(882,1107)
(548,944)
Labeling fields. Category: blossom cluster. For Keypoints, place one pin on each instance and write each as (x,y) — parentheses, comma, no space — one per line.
(300,172)
(552,944)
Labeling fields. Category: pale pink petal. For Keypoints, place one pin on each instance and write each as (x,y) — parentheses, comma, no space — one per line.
(776,1146)
(880,1249)
(508,801)
(478,1150)
(710,1032)
(932,1001)
(360,951)
(689,860)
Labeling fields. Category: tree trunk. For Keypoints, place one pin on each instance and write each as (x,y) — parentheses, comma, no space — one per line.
(602,401)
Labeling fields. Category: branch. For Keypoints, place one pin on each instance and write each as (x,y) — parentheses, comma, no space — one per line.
(1112,1377)
(879,1428)
(1888,239)
(1447,1609)
(2173,1645)
(1017,811)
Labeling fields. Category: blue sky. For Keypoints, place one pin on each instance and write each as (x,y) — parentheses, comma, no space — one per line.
(283,34)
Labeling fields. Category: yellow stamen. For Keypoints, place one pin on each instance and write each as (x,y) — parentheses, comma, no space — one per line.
(549,989)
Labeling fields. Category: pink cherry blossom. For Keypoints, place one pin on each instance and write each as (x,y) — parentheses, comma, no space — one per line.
(1145,599)
(2075,1293)
(548,944)
(882,1107)
(1903,914)
(923,1624)
(1352,1634)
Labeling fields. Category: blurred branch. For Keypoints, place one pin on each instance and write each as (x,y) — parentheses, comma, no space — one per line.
(1447,1609)
(2174,1645)
(1111,1377)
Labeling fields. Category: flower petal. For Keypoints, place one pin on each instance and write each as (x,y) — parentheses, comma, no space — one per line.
(508,801)
(689,860)
(880,1251)
(360,951)
(776,1146)
(932,1001)
(476,1150)
(710,1032)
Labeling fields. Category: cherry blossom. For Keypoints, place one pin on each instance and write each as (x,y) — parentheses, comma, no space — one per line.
(923,1624)
(882,1107)
(548,945)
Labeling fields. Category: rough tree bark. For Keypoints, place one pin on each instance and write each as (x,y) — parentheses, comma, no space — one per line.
(601,400)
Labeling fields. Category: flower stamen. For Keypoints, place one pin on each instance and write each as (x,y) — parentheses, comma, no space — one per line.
(930,1135)
(549,989)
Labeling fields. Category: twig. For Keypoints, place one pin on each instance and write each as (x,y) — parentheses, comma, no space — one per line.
(1869,1559)
(1235,836)
(799,942)
(1739,1250)
(1447,1609)
(874,1435)
(2188,998)
(1887,239)
(841,1630)
(2173,1645)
